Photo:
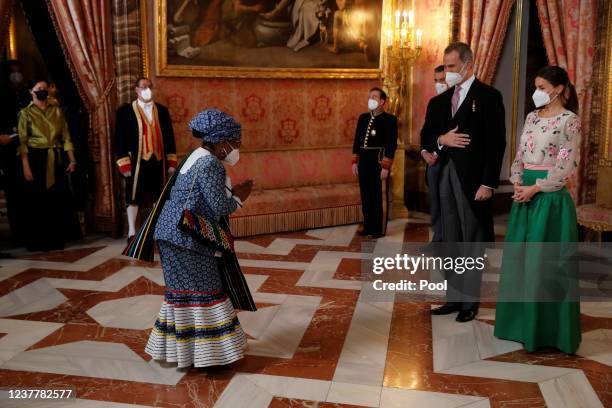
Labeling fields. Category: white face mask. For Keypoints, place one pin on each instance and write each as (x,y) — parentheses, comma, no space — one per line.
(454,78)
(146,94)
(16,77)
(372,104)
(441,87)
(232,157)
(541,98)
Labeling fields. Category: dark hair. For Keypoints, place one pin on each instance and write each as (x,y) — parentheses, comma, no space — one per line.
(197,134)
(32,83)
(383,94)
(439,68)
(137,83)
(558,76)
(464,50)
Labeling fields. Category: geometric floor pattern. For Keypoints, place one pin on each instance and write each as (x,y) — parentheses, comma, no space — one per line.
(80,319)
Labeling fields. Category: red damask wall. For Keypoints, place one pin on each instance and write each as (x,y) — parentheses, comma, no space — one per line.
(275,114)
(434,18)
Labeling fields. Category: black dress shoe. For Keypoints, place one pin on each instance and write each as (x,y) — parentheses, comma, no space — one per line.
(445,309)
(466,316)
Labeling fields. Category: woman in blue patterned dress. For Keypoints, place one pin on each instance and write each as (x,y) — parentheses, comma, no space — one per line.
(197,324)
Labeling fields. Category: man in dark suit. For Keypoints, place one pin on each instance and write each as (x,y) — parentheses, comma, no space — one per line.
(145,149)
(432,171)
(465,126)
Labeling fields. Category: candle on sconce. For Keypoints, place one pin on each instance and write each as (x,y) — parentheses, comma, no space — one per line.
(419,37)
(411,18)
(405,14)
(397,19)
(403,35)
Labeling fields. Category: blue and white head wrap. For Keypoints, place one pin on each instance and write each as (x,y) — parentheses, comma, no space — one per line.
(215,126)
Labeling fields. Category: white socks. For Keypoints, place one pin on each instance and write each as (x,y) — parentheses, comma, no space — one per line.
(132,212)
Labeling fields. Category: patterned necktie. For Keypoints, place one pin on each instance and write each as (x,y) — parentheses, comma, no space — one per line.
(455,99)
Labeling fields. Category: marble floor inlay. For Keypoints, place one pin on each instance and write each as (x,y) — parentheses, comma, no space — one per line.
(80,319)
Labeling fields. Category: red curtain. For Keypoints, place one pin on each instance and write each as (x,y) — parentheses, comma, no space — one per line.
(84,28)
(483,27)
(568,31)
(6,6)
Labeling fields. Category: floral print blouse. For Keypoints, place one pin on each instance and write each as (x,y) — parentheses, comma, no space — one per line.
(552,144)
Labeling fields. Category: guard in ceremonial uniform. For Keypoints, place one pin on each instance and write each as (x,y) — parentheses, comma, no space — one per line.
(145,149)
(373,151)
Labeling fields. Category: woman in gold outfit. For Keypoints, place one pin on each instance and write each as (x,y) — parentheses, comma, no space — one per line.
(47,156)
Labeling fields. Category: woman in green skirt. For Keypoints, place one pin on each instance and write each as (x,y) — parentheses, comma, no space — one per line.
(538,302)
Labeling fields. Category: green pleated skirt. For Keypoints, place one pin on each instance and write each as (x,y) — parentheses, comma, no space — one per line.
(538,293)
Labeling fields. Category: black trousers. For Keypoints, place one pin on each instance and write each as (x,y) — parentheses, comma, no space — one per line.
(52,219)
(433,183)
(13,185)
(374,192)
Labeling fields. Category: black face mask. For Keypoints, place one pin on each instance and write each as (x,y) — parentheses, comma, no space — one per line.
(42,95)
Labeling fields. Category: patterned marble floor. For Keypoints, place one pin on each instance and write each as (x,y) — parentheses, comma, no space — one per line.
(80,319)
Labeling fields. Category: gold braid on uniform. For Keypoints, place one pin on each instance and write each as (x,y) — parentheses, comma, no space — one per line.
(365,141)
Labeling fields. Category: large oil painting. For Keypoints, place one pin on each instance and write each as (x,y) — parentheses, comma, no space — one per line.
(269,38)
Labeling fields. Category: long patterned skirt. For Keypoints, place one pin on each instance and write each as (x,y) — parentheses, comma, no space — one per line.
(538,294)
(197,324)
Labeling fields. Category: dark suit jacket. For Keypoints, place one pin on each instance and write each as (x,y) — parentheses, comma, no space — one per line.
(482,117)
(126,132)
(385,125)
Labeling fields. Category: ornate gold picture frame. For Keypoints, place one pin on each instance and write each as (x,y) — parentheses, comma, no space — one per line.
(268,39)
(606,119)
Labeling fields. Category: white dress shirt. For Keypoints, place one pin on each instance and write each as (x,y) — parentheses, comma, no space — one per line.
(465,88)
(147,108)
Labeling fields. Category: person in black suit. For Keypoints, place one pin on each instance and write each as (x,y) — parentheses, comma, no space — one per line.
(373,152)
(465,126)
(145,149)
(432,171)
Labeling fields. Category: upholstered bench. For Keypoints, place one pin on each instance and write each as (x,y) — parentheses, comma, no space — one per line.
(595,217)
(296,189)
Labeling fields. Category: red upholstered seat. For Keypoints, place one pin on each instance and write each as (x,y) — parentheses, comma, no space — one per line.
(283,200)
(296,189)
(595,215)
